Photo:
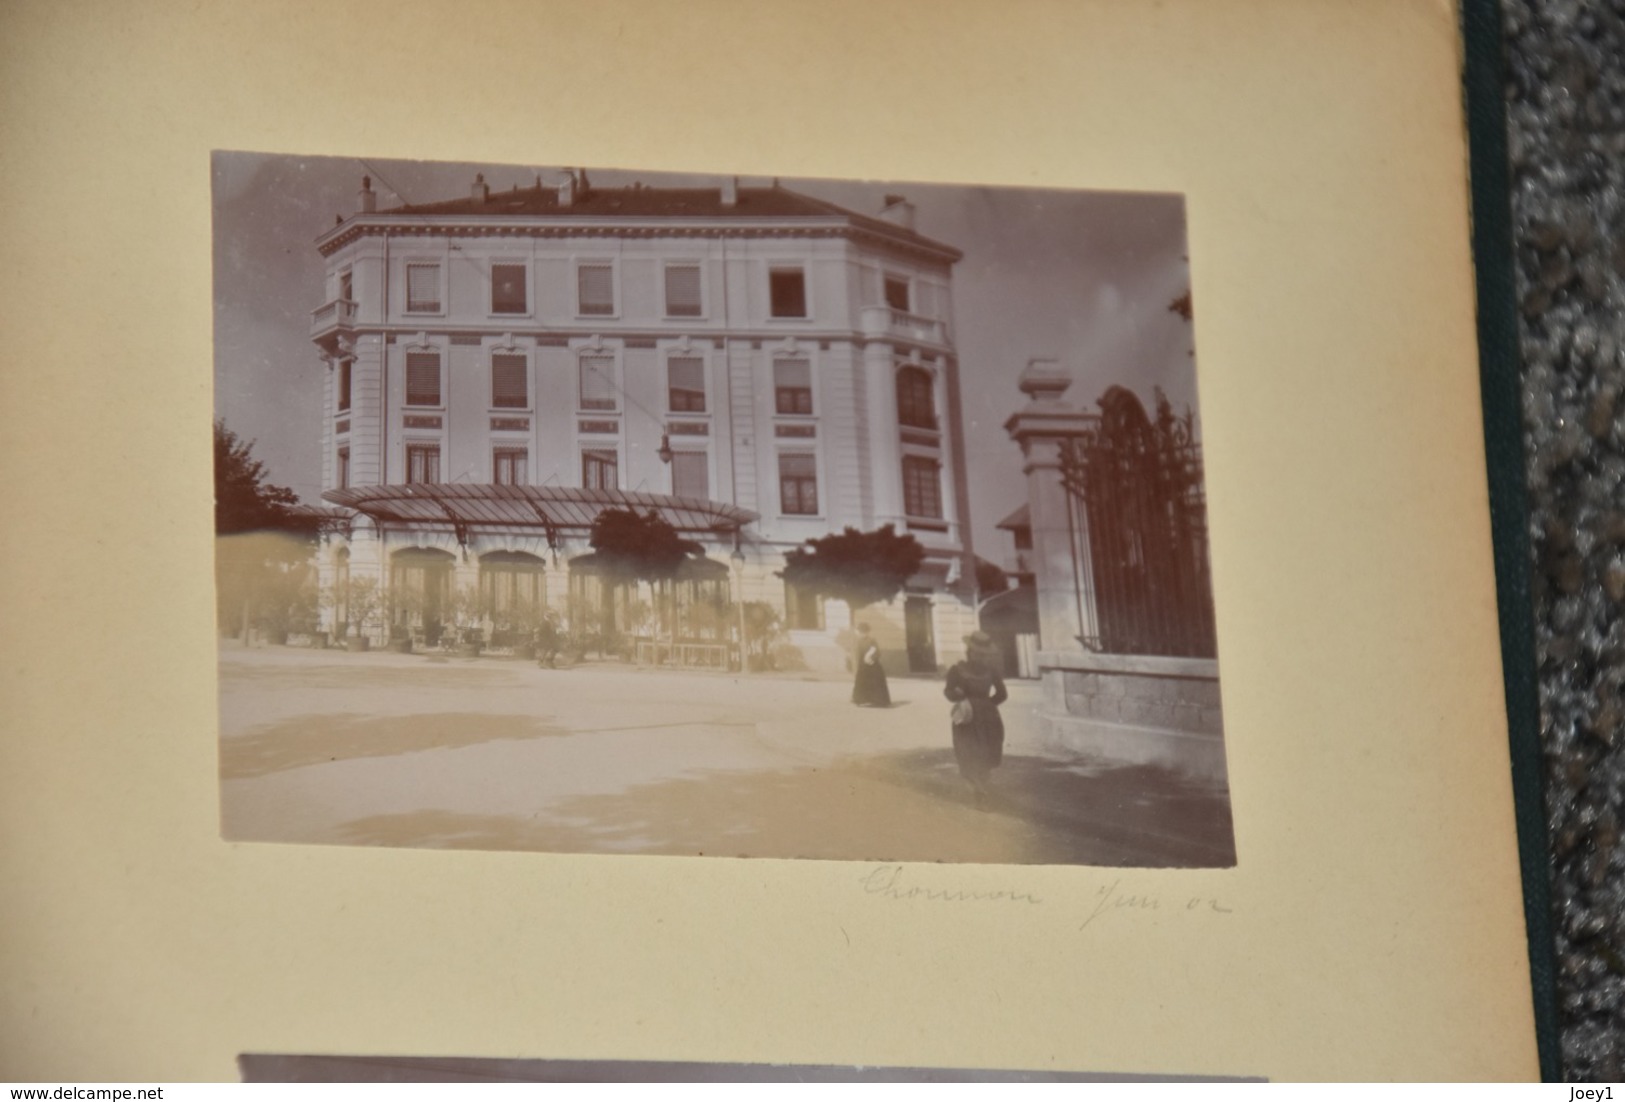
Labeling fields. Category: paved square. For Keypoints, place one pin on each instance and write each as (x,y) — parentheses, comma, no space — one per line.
(426,751)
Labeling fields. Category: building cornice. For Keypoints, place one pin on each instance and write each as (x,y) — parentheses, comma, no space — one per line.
(563,336)
(555,227)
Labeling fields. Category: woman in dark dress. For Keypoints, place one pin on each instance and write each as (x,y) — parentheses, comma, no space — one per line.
(978,735)
(869,686)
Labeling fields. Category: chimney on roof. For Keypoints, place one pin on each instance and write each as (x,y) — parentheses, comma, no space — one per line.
(567,190)
(481,190)
(367,200)
(730,192)
(898,211)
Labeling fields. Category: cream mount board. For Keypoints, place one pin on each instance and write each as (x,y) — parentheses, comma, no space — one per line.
(1371,926)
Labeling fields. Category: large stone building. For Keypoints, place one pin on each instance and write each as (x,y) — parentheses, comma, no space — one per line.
(757,366)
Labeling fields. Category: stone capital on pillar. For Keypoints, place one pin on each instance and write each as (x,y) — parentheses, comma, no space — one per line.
(1060,554)
(1048,420)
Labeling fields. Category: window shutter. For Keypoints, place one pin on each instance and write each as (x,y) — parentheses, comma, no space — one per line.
(596,286)
(508,466)
(922,488)
(598,382)
(915,404)
(423,378)
(792,373)
(897,293)
(508,384)
(683,291)
(925,300)
(599,469)
(686,384)
(423,287)
(792,385)
(689,475)
(797,466)
(798,484)
(869,286)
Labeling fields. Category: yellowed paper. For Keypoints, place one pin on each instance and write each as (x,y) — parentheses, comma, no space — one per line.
(1372,927)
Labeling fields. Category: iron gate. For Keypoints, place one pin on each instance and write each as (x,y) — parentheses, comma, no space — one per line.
(1138,515)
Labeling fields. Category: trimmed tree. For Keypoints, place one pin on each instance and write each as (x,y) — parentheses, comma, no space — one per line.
(860,568)
(634,547)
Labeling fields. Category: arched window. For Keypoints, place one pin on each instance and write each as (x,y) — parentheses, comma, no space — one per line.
(513,588)
(419,590)
(916,406)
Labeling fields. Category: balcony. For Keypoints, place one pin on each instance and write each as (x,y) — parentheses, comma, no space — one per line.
(330,323)
(887,323)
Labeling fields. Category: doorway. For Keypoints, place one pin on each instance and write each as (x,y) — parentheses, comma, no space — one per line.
(922,640)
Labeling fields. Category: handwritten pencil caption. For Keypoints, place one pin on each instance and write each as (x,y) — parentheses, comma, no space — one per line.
(891,882)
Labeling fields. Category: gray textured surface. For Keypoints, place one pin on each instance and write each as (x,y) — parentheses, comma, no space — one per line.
(1566,102)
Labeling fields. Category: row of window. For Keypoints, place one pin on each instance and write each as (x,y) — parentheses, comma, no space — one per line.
(513,584)
(690,475)
(685,385)
(596,290)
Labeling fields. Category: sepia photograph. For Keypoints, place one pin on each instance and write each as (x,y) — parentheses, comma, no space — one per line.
(589,510)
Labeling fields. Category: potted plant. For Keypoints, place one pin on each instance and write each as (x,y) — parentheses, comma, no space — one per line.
(467,615)
(405,608)
(526,622)
(363,601)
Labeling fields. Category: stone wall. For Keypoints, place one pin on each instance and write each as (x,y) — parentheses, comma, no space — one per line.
(1135,710)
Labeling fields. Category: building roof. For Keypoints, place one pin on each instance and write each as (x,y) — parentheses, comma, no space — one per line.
(558,507)
(1021,518)
(594,204)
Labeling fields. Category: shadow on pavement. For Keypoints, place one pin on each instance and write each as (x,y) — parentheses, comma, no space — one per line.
(1175,821)
(299,742)
(901,807)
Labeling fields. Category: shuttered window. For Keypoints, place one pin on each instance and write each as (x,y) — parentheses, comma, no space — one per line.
(690,476)
(798,484)
(423,463)
(915,406)
(423,378)
(685,378)
(508,289)
(508,466)
(600,469)
(345,367)
(792,386)
(922,487)
(508,381)
(683,291)
(598,382)
(423,288)
(595,285)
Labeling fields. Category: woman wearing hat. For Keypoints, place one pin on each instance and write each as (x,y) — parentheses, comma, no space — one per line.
(977,689)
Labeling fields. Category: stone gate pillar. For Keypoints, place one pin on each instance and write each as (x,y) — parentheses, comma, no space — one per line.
(1060,555)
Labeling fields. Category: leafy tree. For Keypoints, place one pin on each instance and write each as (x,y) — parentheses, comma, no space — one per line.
(860,568)
(635,547)
(640,547)
(243,500)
